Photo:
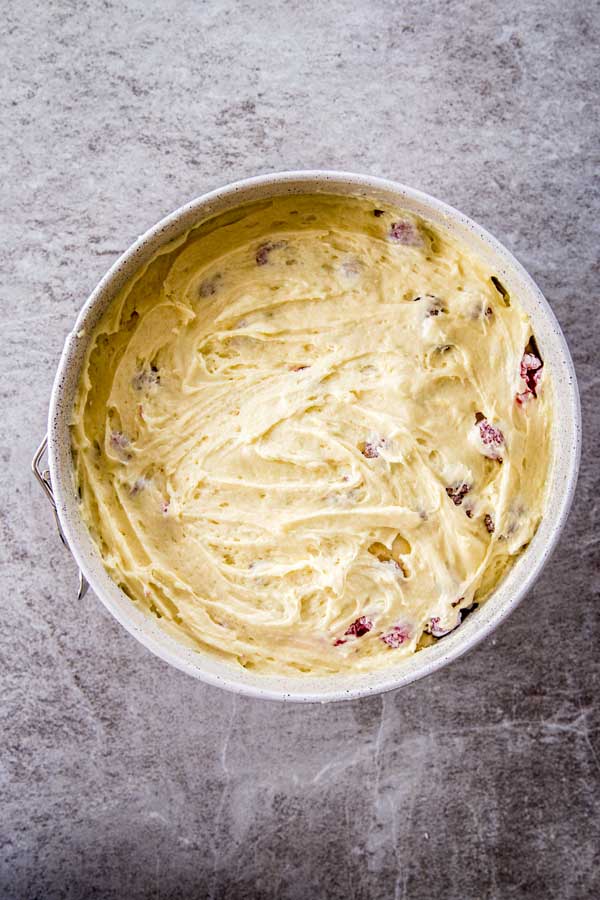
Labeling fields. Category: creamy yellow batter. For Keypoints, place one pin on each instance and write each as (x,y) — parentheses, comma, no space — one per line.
(311,433)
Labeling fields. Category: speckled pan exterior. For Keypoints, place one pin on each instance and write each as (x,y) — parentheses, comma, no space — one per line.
(563,474)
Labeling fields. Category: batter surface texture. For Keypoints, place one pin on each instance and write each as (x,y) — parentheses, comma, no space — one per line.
(311,434)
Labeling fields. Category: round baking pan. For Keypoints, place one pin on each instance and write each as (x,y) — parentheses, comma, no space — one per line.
(61,489)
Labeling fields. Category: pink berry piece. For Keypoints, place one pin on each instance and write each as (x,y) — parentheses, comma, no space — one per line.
(147,377)
(265,250)
(531,373)
(262,254)
(351,267)
(209,286)
(121,443)
(119,440)
(397,636)
(492,439)
(489,523)
(371,449)
(138,486)
(458,492)
(437,630)
(405,232)
(360,627)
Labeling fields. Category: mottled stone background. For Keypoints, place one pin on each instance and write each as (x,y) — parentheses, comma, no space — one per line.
(123,778)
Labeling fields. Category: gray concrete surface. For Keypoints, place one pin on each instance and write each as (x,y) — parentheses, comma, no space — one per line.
(121,778)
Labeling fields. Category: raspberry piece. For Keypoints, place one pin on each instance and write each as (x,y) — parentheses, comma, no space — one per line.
(398,635)
(119,441)
(458,492)
(370,451)
(138,486)
(404,232)
(360,627)
(145,378)
(491,438)
(437,630)
(434,628)
(531,372)
(489,523)
(351,267)
(209,286)
(262,254)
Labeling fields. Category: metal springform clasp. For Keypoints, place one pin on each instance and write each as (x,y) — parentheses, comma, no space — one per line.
(43,476)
